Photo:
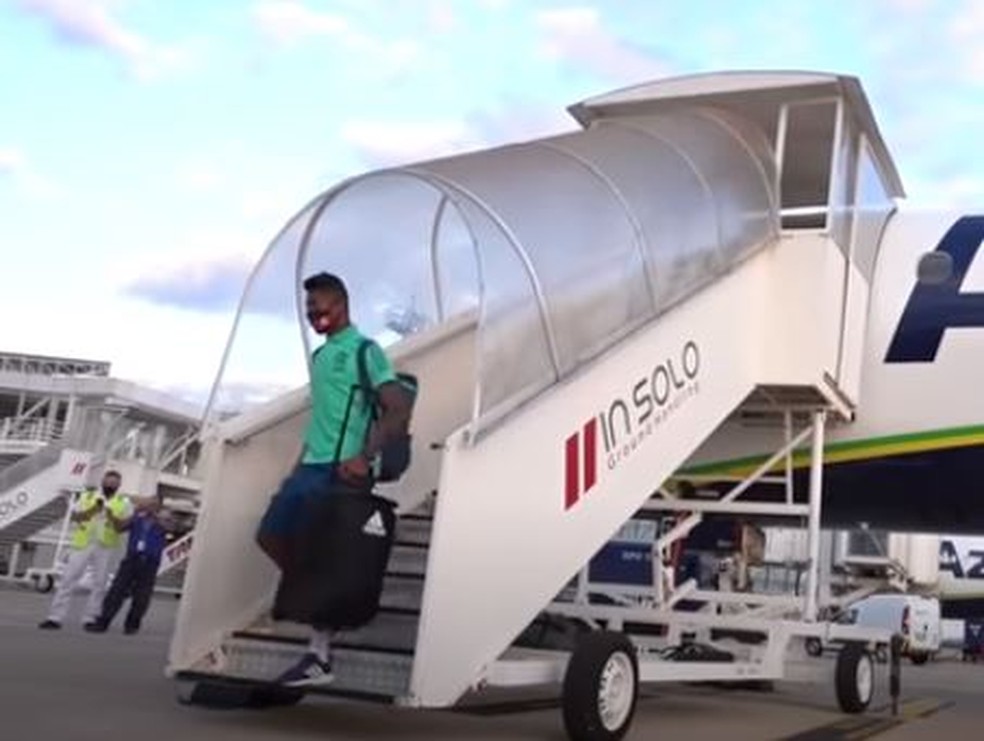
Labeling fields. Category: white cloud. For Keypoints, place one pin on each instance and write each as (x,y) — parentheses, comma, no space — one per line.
(14,164)
(966,30)
(393,142)
(95,23)
(199,177)
(211,284)
(11,160)
(517,121)
(193,259)
(577,36)
(167,315)
(271,205)
(909,6)
(145,343)
(382,143)
(956,192)
(441,16)
(289,22)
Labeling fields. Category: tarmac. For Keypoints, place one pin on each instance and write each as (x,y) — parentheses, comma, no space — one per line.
(73,686)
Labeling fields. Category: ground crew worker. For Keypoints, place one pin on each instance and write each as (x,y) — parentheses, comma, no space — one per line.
(99,518)
(137,574)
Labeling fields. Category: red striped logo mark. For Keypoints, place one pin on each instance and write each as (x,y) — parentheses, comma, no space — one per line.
(581,463)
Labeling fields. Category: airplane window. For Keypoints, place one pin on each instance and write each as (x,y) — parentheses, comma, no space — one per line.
(934,268)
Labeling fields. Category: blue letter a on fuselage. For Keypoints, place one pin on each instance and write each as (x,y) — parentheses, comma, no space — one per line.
(932,309)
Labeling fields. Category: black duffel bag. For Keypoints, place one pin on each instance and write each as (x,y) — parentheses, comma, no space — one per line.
(338,561)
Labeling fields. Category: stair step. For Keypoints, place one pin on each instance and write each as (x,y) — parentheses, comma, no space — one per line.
(356,671)
(391,630)
(407,558)
(173,579)
(386,631)
(406,592)
(414,529)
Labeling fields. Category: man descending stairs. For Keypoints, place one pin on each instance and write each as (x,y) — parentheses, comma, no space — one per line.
(350,376)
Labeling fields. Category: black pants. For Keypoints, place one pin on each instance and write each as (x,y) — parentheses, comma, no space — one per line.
(135,578)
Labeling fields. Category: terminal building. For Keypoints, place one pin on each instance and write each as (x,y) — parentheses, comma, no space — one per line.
(63,422)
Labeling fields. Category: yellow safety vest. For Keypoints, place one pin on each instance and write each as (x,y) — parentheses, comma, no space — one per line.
(99,526)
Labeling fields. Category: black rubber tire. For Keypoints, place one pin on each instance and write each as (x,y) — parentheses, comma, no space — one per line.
(813,646)
(582,683)
(220,695)
(214,695)
(275,697)
(849,696)
(44,584)
(919,658)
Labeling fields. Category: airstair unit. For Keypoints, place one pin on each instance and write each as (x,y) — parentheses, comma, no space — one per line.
(584,312)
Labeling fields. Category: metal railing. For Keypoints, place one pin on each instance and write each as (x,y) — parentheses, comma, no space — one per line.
(176,554)
(31,430)
(181,456)
(43,365)
(26,468)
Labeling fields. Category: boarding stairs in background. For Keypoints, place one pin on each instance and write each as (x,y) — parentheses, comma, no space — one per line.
(35,521)
(174,560)
(34,491)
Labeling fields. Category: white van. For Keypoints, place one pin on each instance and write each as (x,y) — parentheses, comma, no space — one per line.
(915,617)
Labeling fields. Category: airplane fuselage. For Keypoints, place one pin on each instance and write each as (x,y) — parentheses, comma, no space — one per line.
(913,457)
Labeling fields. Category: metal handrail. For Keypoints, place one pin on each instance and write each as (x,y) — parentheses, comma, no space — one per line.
(178,451)
(31,430)
(19,472)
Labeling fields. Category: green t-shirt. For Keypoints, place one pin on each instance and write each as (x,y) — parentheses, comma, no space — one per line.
(334,377)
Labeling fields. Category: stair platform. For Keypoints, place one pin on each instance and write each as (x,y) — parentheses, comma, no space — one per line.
(376,670)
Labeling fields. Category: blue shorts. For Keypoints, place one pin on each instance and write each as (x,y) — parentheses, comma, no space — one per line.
(307,481)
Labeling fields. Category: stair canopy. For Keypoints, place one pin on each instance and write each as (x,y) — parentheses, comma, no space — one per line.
(555,248)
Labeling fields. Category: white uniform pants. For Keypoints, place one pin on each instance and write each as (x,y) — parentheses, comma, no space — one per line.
(100,559)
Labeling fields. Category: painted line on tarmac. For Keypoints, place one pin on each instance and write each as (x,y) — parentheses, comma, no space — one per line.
(848,729)
(924,708)
(859,727)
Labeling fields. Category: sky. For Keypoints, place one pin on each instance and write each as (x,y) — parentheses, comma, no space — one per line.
(151,149)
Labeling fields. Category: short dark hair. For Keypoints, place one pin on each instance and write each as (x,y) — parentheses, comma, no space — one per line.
(326,282)
(113,472)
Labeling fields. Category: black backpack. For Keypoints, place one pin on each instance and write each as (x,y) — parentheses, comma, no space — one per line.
(394,458)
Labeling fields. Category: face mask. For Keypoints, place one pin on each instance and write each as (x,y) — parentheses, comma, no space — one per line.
(110,489)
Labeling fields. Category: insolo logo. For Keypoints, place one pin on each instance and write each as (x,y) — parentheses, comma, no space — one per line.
(587,442)
(627,421)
